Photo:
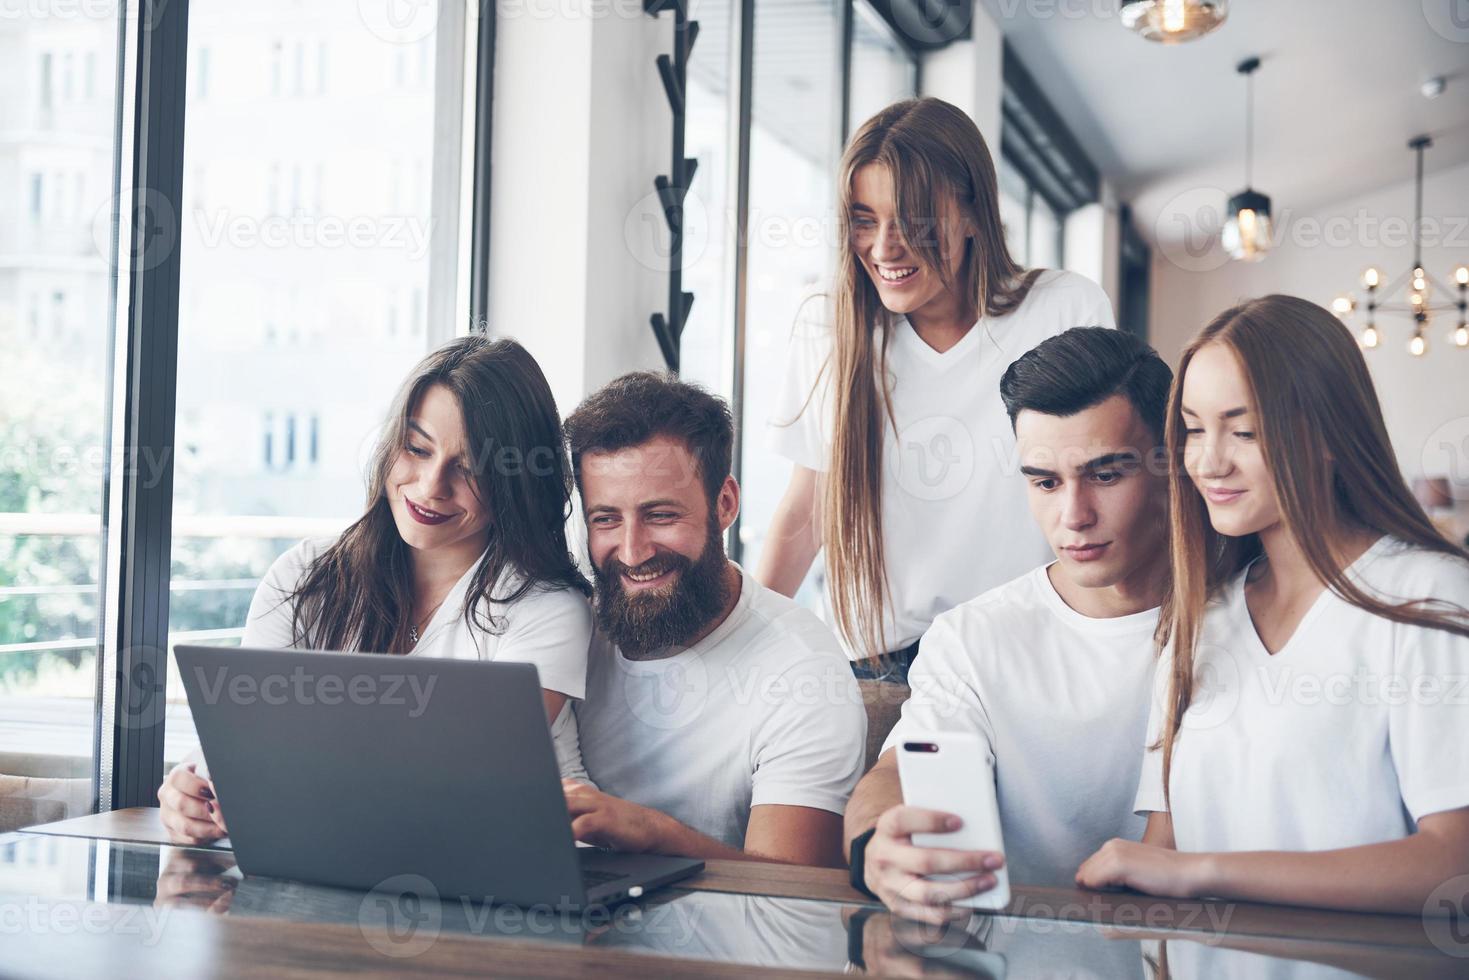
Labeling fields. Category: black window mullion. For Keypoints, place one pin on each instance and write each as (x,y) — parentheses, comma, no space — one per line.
(479,234)
(139,635)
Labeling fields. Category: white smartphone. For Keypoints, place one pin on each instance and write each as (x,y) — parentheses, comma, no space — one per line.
(944,771)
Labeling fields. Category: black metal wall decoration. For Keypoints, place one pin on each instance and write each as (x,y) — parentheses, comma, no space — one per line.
(673,187)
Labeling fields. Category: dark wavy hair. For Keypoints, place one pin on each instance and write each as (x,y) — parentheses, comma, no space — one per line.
(358,594)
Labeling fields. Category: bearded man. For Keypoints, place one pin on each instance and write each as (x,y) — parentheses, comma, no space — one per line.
(721,719)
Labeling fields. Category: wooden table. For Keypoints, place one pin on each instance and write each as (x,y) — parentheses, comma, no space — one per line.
(1377,945)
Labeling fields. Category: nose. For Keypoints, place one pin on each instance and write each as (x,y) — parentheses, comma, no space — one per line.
(435,479)
(1077,510)
(888,247)
(636,546)
(1213,461)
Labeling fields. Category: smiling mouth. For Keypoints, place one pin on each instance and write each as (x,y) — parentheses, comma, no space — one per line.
(639,581)
(423,515)
(898,274)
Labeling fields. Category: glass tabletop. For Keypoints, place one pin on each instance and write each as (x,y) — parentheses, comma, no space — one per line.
(41,873)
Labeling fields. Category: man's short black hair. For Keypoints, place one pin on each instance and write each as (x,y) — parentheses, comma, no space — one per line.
(637,407)
(1083,367)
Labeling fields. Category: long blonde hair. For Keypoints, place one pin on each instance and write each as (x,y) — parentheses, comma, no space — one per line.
(1321,432)
(938,162)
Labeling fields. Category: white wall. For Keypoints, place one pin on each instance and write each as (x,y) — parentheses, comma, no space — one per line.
(581,127)
(1322,255)
(967,73)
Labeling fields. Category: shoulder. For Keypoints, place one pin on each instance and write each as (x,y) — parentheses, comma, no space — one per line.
(966,631)
(1067,294)
(1402,571)
(543,606)
(286,571)
(787,633)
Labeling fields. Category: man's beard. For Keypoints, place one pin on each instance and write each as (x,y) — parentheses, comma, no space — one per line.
(641,622)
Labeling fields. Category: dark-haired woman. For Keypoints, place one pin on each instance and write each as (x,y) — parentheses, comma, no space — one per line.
(462,551)
(1312,737)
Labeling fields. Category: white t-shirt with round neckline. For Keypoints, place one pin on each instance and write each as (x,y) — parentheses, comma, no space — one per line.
(1348,734)
(763,710)
(955,518)
(549,628)
(1060,700)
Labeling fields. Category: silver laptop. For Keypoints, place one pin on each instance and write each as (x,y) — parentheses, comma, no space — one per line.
(358,769)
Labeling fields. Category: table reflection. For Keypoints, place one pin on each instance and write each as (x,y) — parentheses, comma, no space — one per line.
(757,931)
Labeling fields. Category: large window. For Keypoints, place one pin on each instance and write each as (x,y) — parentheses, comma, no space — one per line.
(56,145)
(313,235)
(319,256)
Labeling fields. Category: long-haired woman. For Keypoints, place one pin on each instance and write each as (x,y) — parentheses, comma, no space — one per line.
(904,468)
(1312,728)
(461,552)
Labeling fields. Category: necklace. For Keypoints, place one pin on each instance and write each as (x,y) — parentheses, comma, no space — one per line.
(413,634)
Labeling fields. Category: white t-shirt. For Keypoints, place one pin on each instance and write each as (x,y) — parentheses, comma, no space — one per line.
(1059,699)
(763,710)
(1349,734)
(546,627)
(954,515)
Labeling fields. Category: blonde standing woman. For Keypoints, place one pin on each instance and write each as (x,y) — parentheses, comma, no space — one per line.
(904,457)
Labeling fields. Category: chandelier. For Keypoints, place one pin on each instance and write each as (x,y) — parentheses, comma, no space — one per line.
(1172,21)
(1420,287)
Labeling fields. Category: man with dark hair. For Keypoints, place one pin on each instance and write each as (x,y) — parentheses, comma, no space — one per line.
(1053,670)
(721,719)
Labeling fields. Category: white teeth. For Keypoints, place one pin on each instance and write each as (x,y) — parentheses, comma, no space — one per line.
(644,577)
(896,275)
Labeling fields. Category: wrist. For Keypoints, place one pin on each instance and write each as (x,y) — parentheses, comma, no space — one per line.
(1204,875)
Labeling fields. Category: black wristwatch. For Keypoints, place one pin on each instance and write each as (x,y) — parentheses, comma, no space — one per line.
(857,866)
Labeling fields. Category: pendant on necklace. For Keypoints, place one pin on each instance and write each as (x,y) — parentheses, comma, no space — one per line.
(413,635)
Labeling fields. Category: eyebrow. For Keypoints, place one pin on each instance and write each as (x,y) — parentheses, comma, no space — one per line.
(420,430)
(1231,414)
(1090,466)
(645,505)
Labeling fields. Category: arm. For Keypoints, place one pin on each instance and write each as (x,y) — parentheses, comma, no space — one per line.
(604,820)
(794,537)
(1394,876)
(794,835)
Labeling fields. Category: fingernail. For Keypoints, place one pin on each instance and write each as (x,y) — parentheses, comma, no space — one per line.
(953,823)
(991,863)
(210,806)
(207,793)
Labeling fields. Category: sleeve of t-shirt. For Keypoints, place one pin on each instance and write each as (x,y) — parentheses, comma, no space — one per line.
(797,428)
(1428,725)
(268,623)
(809,747)
(1149,797)
(944,686)
(551,629)
(1094,309)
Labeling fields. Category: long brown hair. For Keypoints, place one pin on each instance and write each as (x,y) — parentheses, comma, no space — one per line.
(358,593)
(940,166)
(1320,430)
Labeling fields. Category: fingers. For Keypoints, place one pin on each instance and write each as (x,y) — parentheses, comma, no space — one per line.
(188,831)
(937,860)
(904,821)
(218,815)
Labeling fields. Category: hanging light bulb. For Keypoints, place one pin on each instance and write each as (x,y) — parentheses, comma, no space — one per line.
(1418,346)
(1461,275)
(1369,337)
(1343,306)
(1461,336)
(1172,21)
(1247,232)
(1371,278)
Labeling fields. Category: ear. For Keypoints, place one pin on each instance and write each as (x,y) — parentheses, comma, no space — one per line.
(727,503)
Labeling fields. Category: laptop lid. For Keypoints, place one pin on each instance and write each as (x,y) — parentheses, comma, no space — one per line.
(354,769)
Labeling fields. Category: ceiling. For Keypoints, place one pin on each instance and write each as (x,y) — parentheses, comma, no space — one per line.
(1336,99)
